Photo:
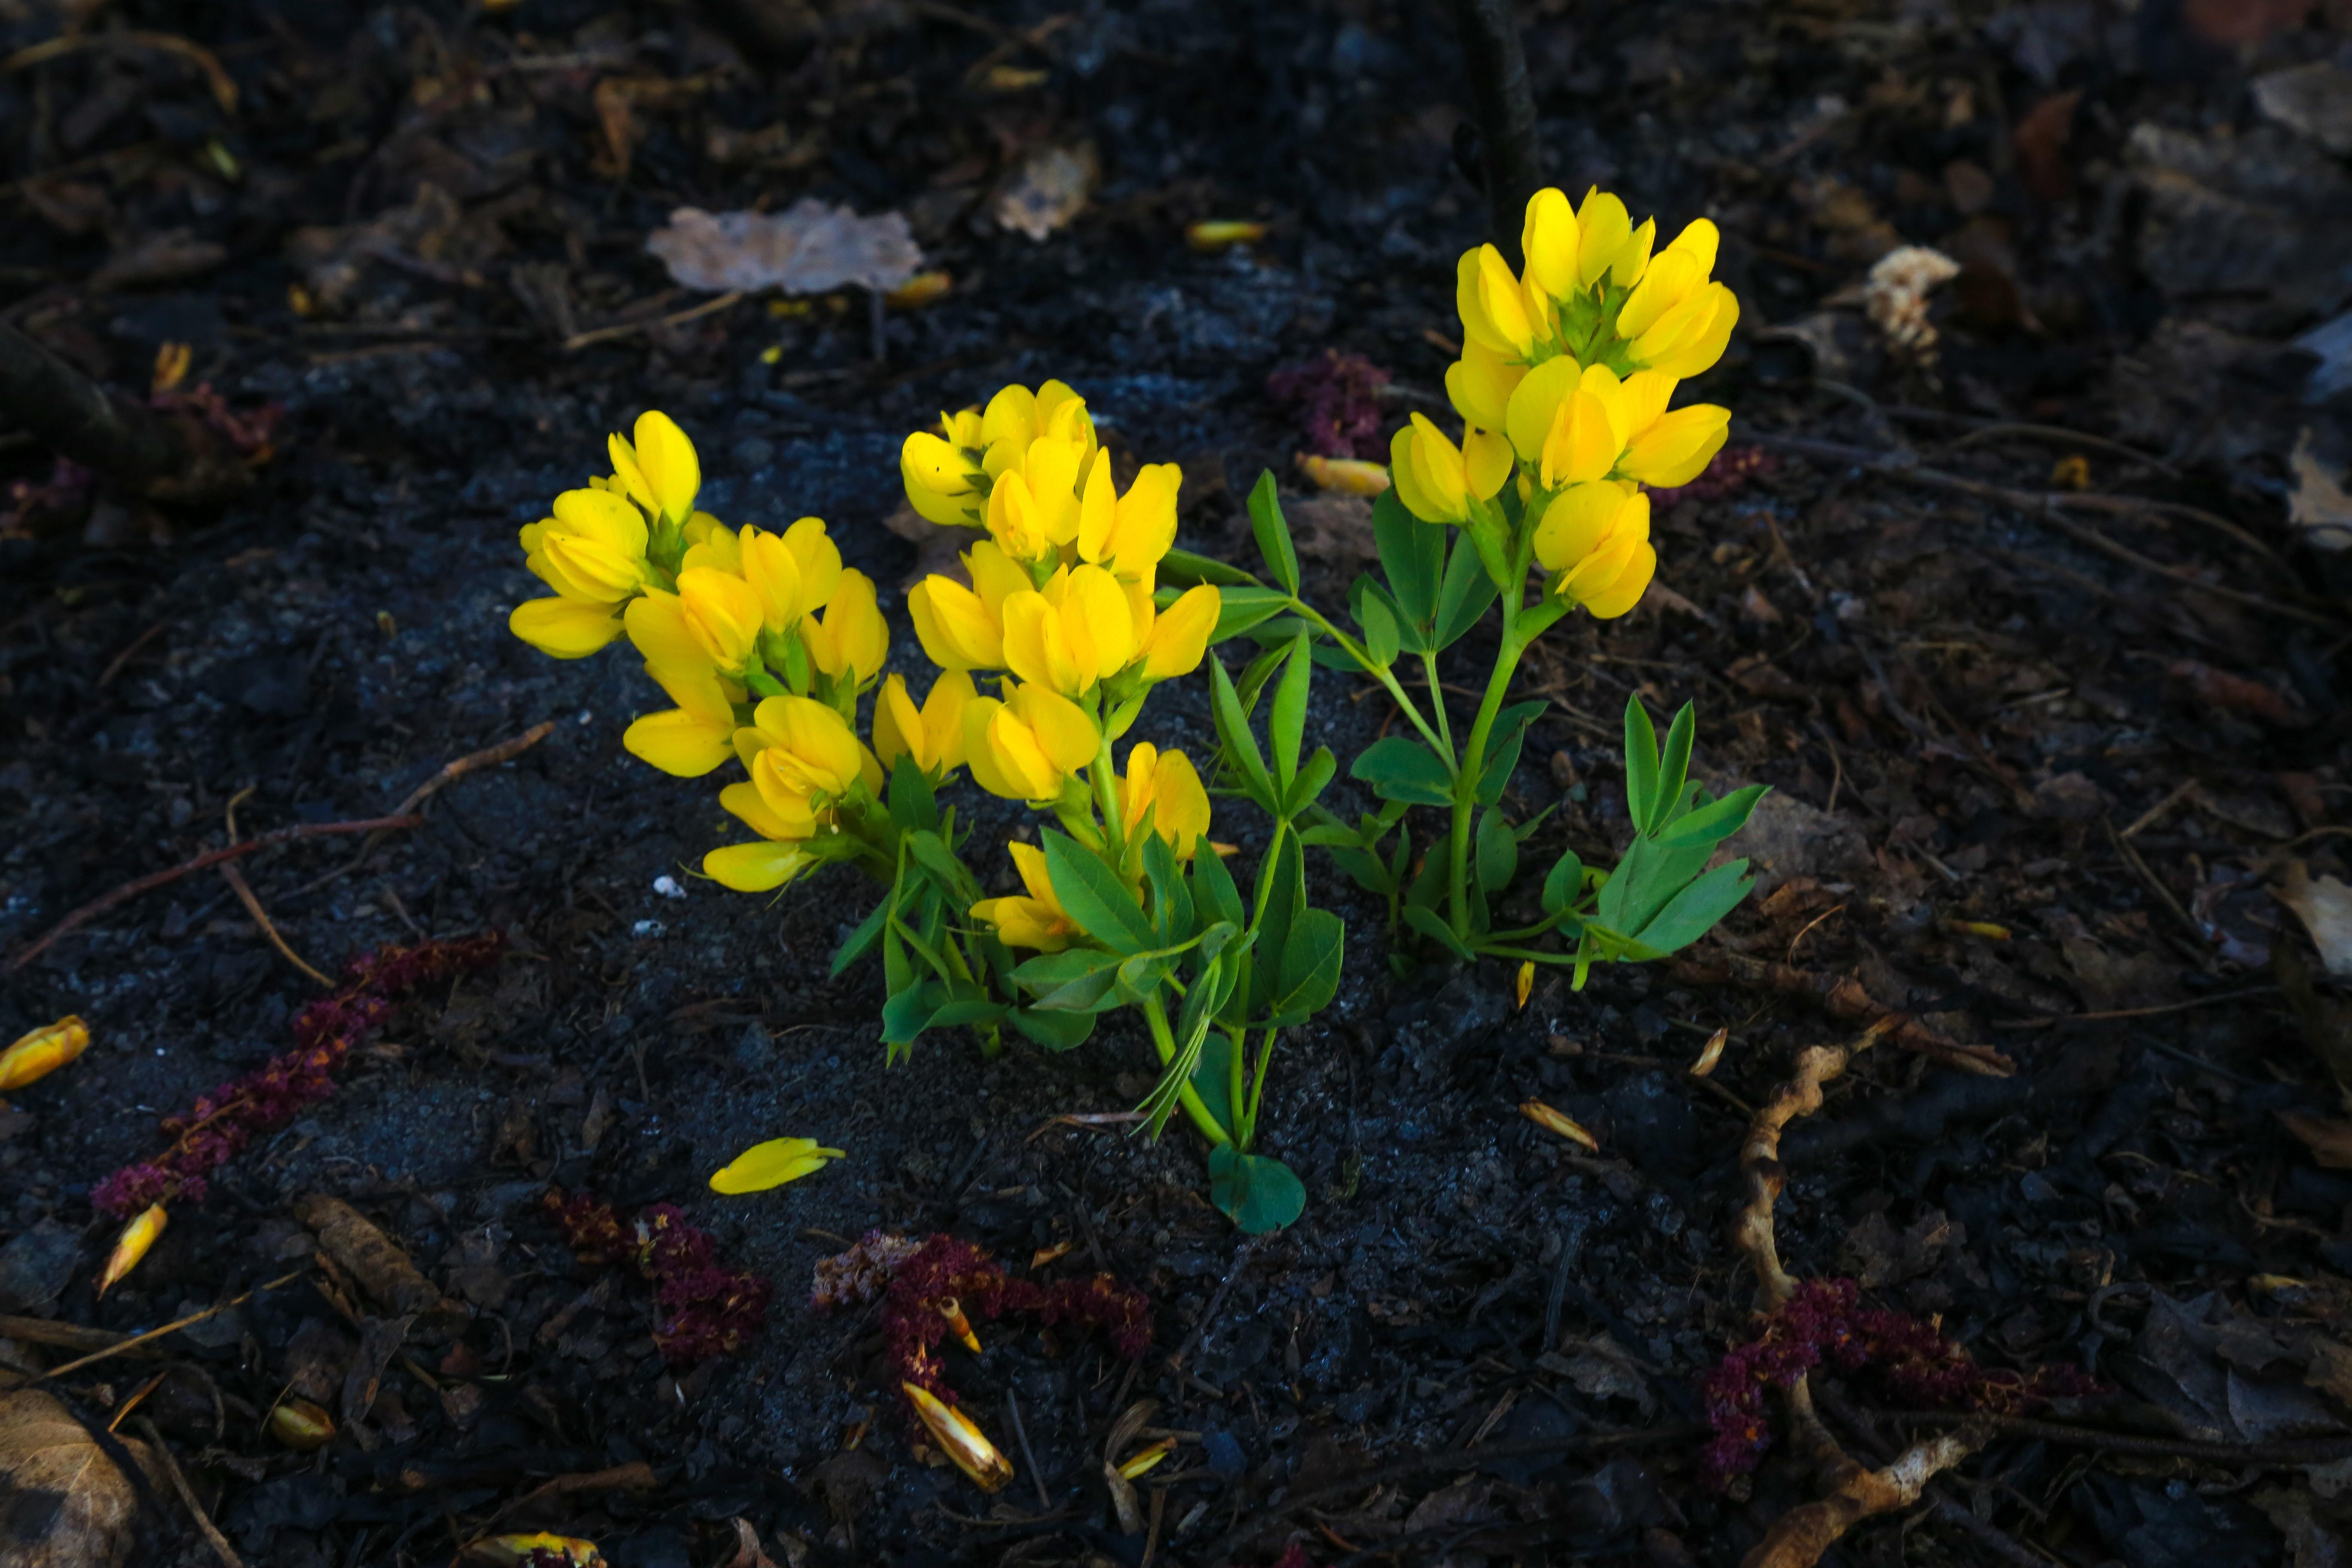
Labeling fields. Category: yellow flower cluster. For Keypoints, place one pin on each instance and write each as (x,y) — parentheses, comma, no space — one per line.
(1566,371)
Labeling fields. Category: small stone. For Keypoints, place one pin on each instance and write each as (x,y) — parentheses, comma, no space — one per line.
(37,1266)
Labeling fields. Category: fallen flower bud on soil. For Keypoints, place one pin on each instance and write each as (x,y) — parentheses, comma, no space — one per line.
(962,1441)
(541,1549)
(1551,1120)
(1222,234)
(1144,1460)
(771,1164)
(1524,984)
(952,1310)
(41,1052)
(1712,1054)
(300,1425)
(132,1246)
(1349,476)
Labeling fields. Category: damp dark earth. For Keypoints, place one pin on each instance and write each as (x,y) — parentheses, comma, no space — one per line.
(1979,1191)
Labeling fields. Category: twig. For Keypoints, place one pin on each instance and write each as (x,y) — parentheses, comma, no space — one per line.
(1844,998)
(472,761)
(118,1346)
(1020,1435)
(252,903)
(2149,880)
(579,341)
(1216,1299)
(2155,814)
(2217,998)
(2057,433)
(2286,1453)
(153,881)
(1948,1508)
(1503,106)
(221,1547)
(223,88)
(114,666)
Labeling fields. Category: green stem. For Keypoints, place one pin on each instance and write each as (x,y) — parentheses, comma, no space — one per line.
(1437,701)
(1384,675)
(1466,781)
(1164,1040)
(1106,801)
(1257,1091)
(1233,1078)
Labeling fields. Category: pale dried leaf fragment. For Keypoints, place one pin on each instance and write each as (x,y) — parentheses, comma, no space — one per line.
(1895,298)
(1049,189)
(73,1505)
(810,247)
(2320,504)
(2328,1138)
(2324,905)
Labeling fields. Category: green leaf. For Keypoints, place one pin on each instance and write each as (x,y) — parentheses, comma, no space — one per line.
(1382,639)
(1171,903)
(940,863)
(1412,557)
(1497,850)
(1075,981)
(1398,767)
(912,803)
(1694,909)
(933,1005)
(1240,609)
(1281,893)
(1184,569)
(1674,770)
(1365,595)
(1331,835)
(1432,924)
(1562,883)
(1503,743)
(1234,734)
(1214,890)
(1272,532)
(1257,1192)
(1641,762)
(1714,822)
(1312,956)
(1312,780)
(1645,880)
(1093,895)
(1055,1031)
(1465,593)
(1286,728)
(860,942)
(1365,869)
(1212,1079)
(1192,1034)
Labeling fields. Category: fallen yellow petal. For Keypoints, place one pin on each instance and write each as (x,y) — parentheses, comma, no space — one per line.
(918,291)
(1220,234)
(503,1549)
(1526,983)
(132,1246)
(42,1051)
(1144,1460)
(973,1453)
(300,1425)
(1712,1054)
(771,1164)
(1349,476)
(1566,1126)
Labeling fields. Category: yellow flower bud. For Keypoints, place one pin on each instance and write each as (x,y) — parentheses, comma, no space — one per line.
(1674,448)
(932,736)
(1165,786)
(722,615)
(1602,227)
(565,628)
(1560,1124)
(1480,383)
(1026,746)
(944,481)
(538,1546)
(771,1164)
(711,542)
(132,1246)
(1692,336)
(1179,639)
(960,627)
(592,551)
(40,1052)
(1035,507)
(1037,920)
(1588,431)
(852,639)
(1550,242)
(756,868)
(300,1425)
(1533,403)
(1348,476)
(803,757)
(1492,303)
(962,1441)
(660,471)
(1074,631)
(1596,536)
(1429,473)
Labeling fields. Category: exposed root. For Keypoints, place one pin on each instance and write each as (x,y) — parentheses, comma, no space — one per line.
(1760,1157)
(1844,998)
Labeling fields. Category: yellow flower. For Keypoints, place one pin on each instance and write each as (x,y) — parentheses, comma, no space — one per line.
(1015,417)
(1605,234)
(1074,631)
(593,551)
(1587,429)
(1550,241)
(711,542)
(771,1164)
(1164,785)
(852,639)
(1035,507)
(1037,920)
(565,628)
(932,736)
(691,739)
(1026,746)
(1479,384)
(1438,480)
(660,471)
(960,627)
(1492,303)
(40,1052)
(1179,639)
(793,573)
(1674,448)
(1596,537)
(722,615)
(803,757)
(1129,535)
(944,479)
(973,1453)
(132,1246)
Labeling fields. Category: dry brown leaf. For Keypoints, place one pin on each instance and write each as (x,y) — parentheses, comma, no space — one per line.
(2329,1140)
(69,1504)
(1049,189)
(2324,905)
(2320,502)
(371,1258)
(808,249)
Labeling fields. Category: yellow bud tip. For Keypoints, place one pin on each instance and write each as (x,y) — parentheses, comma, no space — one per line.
(958,1324)
(962,1441)
(1222,234)
(1559,1123)
(132,1246)
(1349,476)
(42,1051)
(1526,983)
(1145,1460)
(1712,1054)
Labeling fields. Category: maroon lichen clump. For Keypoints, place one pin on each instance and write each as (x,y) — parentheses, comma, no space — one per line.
(1726,475)
(220,1124)
(1337,401)
(915,1281)
(1824,1323)
(706,1309)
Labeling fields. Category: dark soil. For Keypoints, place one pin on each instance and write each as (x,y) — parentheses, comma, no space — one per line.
(1960,702)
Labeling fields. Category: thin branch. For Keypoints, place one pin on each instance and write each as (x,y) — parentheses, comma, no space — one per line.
(221,1547)
(1504,107)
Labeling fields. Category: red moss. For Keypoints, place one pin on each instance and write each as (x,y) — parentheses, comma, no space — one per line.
(1337,401)
(219,1126)
(1824,1323)
(1727,473)
(914,1278)
(705,1309)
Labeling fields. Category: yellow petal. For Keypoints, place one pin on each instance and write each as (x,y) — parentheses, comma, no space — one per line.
(1480,383)
(897,725)
(1417,500)
(1604,227)
(40,1052)
(132,1246)
(1485,462)
(962,1442)
(667,460)
(1549,241)
(1180,635)
(1534,404)
(565,628)
(1678,446)
(683,744)
(1067,736)
(769,567)
(820,560)
(1576,522)
(756,868)
(1502,304)
(771,1164)
(1180,806)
